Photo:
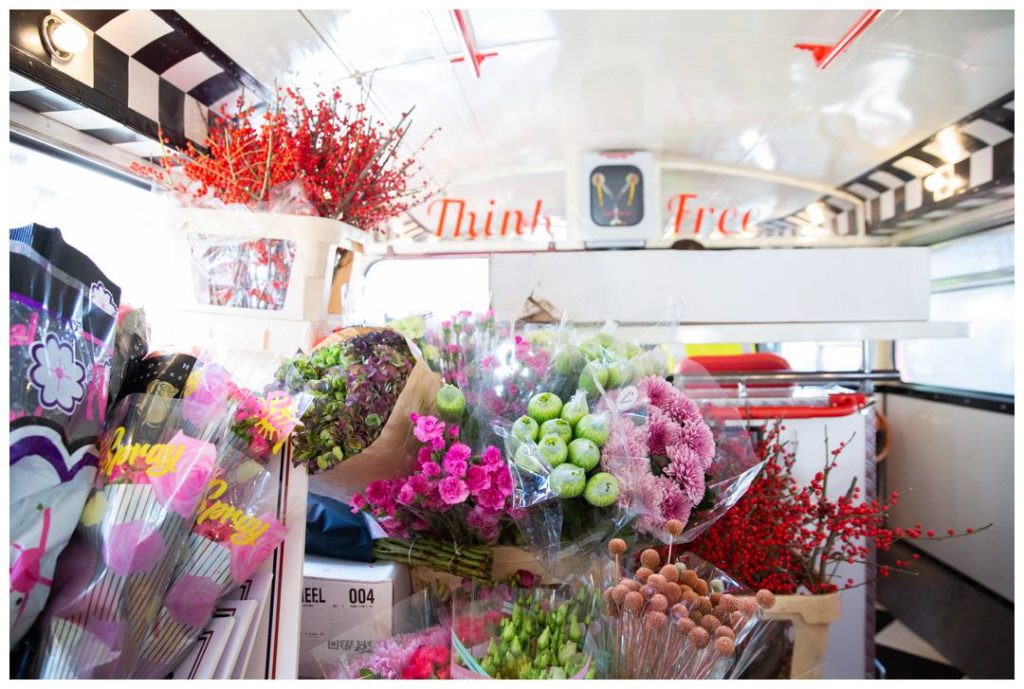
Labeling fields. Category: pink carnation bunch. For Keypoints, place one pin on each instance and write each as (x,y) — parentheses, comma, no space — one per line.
(662,463)
(453,493)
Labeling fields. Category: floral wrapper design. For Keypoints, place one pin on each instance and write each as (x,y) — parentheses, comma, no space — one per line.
(62,322)
(235,530)
(241,273)
(110,581)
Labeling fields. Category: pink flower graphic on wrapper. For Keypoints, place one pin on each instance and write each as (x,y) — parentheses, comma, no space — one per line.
(181,489)
(55,373)
(24,572)
(191,599)
(133,547)
(245,559)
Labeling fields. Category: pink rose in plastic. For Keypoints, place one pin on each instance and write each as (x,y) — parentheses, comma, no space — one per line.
(431,470)
(181,488)
(133,547)
(245,559)
(191,599)
(207,398)
(453,490)
(425,455)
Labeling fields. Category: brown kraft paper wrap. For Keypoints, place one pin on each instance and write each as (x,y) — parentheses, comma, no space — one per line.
(393,453)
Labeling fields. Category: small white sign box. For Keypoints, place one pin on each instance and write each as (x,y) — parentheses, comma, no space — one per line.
(740,286)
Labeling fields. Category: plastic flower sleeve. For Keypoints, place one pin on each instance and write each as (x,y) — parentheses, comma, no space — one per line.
(235,530)
(62,323)
(412,640)
(154,470)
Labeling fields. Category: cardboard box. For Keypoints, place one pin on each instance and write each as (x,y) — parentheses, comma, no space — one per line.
(337,597)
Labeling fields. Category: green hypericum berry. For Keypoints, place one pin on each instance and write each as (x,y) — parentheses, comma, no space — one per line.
(593,427)
(526,429)
(620,373)
(576,408)
(717,585)
(451,403)
(567,481)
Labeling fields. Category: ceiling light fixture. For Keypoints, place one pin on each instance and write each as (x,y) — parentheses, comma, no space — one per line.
(943,183)
(816,213)
(63,39)
(950,148)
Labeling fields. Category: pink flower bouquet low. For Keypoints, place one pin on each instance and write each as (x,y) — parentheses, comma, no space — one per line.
(453,494)
(454,500)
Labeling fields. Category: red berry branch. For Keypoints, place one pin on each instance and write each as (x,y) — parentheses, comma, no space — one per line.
(784,536)
(348,164)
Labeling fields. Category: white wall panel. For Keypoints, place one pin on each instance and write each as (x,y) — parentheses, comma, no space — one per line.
(786,285)
(959,463)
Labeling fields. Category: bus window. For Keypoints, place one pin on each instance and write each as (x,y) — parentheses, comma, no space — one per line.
(393,288)
(972,280)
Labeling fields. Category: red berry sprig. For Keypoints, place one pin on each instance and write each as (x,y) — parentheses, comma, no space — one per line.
(784,536)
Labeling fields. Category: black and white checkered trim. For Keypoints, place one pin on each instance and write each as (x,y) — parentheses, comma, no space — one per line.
(142,71)
(894,193)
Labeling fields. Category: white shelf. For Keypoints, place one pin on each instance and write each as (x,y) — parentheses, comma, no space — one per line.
(709,333)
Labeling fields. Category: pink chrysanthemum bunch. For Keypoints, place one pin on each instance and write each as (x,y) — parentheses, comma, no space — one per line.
(452,494)
(662,463)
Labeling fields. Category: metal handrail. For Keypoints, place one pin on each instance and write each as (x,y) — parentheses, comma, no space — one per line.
(800,376)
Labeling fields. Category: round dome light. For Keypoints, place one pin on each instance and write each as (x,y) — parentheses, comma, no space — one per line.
(64,39)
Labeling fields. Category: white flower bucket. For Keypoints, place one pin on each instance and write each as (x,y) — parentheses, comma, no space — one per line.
(307,242)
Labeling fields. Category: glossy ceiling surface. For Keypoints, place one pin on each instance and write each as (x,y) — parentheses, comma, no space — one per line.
(722,86)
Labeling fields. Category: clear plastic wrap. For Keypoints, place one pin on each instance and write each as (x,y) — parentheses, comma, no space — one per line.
(62,323)
(244,271)
(234,531)
(155,468)
(239,272)
(131,344)
(675,618)
(410,641)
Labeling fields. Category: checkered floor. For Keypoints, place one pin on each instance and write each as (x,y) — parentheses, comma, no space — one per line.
(902,654)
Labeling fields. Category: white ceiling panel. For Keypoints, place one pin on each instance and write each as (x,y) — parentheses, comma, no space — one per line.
(725,86)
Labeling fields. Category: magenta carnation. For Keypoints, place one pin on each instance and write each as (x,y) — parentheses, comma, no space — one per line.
(453,490)
(428,429)
(477,479)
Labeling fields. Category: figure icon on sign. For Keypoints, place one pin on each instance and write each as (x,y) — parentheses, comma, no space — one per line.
(601,186)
